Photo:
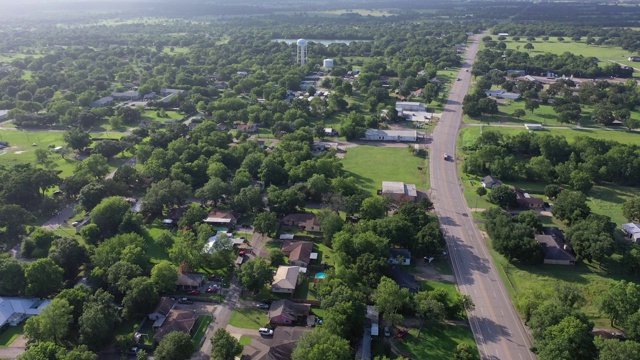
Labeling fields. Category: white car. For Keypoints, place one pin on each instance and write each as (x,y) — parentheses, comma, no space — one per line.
(265,331)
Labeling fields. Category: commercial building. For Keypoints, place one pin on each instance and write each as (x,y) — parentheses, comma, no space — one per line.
(399,191)
(391,135)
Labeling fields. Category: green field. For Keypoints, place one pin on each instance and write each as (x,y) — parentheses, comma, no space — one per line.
(436,341)
(370,165)
(602,52)
(248,318)
(9,334)
(153,115)
(22,151)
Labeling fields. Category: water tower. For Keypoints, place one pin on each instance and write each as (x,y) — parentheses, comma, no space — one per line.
(301,53)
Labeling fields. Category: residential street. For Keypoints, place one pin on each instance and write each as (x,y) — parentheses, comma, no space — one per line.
(497,327)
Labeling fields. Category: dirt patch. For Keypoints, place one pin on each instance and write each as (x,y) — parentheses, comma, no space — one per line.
(425,272)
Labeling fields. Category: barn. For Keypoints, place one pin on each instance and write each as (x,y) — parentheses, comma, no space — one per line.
(391,135)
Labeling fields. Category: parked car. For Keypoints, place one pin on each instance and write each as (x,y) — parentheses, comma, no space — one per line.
(214,277)
(193,292)
(263,306)
(185,301)
(265,332)
(401,334)
(267,301)
(241,253)
(211,290)
(387,331)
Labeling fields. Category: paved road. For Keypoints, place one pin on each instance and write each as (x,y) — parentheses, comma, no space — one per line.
(497,328)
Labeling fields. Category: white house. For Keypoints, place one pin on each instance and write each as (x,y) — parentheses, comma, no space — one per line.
(390,135)
(4,114)
(533,127)
(210,246)
(14,310)
(399,257)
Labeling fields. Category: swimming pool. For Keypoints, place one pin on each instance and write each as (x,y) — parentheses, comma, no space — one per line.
(320,275)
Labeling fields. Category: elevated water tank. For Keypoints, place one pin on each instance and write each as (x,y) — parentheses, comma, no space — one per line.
(327,63)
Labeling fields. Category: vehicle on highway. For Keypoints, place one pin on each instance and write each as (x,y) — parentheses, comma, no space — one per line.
(446,156)
(265,332)
(466,70)
(263,306)
(458,79)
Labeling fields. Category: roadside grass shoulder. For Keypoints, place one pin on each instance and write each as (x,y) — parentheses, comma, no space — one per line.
(436,341)
(201,328)
(370,165)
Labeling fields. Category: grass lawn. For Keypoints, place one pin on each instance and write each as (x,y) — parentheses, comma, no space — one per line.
(22,151)
(153,115)
(155,251)
(306,290)
(248,318)
(245,340)
(436,342)
(201,327)
(371,165)
(9,334)
(325,254)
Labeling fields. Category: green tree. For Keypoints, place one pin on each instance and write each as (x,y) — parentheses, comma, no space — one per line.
(265,223)
(194,215)
(481,191)
(141,297)
(552,190)
(620,301)
(12,275)
(571,206)
(52,324)
(581,181)
(330,224)
(69,255)
(95,166)
(214,190)
(249,199)
(276,257)
(528,46)
(43,277)
(631,209)
(518,113)
(224,346)
(77,139)
(464,351)
(390,298)
(428,309)
(320,344)
(373,208)
(42,157)
(503,196)
(569,339)
(614,349)
(164,277)
(429,241)
(255,274)
(91,234)
(531,105)
(98,319)
(109,213)
(176,345)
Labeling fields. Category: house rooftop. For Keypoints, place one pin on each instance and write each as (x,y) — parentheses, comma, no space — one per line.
(286,277)
(299,251)
(391,133)
(552,248)
(177,320)
(190,279)
(397,187)
(288,308)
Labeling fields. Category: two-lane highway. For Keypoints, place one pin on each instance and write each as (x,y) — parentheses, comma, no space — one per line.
(497,328)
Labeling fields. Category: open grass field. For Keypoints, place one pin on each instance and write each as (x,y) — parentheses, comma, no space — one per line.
(155,251)
(370,165)
(9,334)
(436,341)
(21,150)
(200,328)
(248,318)
(153,115)
(602,52)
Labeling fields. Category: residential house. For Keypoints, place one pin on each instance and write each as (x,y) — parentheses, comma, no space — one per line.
(210,247)
(176,320)
(190,281)
(306,221)
(299,253)
(632,231)
(556,250)
(281,345)
(527,201)
(399,257)
(150,96)
(285,280)
(14,310)
(4,114)
(105,101)
(372,318)
(391,135)
(516,72)
(222,218)
(399,191)
(490,182)
(330,132)
(247,128)
(287,312)
(161,312)
(174,215)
